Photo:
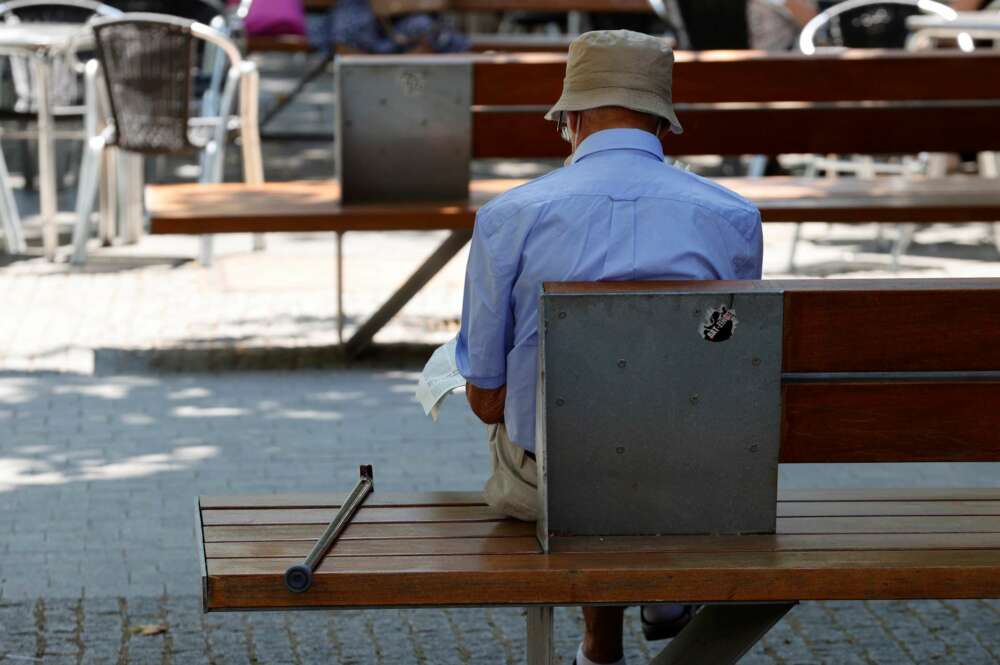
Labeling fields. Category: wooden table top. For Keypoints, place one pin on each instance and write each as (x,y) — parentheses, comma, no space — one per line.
(315,205)
(450,549)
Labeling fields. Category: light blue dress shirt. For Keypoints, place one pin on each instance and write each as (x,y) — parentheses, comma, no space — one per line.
(618,212)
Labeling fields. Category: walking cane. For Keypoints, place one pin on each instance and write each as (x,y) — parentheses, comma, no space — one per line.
(299,578)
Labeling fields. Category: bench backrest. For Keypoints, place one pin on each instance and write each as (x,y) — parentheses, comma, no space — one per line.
(814,371)
(756,103)
(408,125)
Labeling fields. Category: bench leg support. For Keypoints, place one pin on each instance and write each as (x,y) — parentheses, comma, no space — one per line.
(721,634)
(540,631)
(452,245)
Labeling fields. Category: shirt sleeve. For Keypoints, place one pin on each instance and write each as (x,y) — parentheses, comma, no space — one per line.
(753,264)
(487,328)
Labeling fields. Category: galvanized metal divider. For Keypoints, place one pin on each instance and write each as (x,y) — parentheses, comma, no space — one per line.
(670,403)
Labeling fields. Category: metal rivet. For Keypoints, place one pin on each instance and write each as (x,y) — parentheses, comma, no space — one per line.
(693,399)
(562,315)
(756,362)
(620,450)
(696,314)
(560,401)
(623,363)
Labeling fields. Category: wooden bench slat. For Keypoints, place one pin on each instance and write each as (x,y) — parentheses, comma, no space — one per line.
(412,547)
(526,545)
(570,579)
(950,327)
(311,206)
(333,500)
(882,524)
(891,422)
(858,524)
(505,529)
(886,508)
(758,76)
(803,129)
(366,515)
(891,494)
(781,543)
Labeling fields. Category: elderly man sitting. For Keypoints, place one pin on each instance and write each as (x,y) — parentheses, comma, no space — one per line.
(616,211)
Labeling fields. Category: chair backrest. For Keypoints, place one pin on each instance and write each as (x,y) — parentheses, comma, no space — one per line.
(147,66)
(866,23)
(147,62)
(682,397)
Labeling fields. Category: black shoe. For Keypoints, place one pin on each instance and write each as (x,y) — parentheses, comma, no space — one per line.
(665,630)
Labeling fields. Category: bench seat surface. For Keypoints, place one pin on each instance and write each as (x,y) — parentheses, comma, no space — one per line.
(315,205)
(450,549)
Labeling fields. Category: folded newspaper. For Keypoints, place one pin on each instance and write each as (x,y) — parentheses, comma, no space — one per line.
(439,378)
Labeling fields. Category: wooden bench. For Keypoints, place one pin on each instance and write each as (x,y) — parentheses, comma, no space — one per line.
(870,372)
(729,103)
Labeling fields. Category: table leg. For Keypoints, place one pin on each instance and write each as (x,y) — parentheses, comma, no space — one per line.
(46,157)
(540,649)
(362,338)
(13,234)
(721,634)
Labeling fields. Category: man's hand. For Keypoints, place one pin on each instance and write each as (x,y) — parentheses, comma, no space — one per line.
(487,404)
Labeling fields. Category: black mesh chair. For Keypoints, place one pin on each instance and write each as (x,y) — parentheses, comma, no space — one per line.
(148,104)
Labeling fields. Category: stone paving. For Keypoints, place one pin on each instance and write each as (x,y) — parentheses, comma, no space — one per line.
(99,466)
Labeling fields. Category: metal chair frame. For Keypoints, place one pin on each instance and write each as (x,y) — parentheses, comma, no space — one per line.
(207,132)
(21,74)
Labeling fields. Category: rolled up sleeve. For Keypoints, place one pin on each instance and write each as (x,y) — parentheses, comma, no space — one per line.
(487,328)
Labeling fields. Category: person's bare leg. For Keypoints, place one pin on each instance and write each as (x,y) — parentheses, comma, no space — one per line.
(603,641)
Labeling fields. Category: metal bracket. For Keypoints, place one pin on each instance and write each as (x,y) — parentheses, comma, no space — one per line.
(721,634)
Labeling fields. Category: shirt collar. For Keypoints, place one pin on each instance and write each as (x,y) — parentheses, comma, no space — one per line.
(619,139)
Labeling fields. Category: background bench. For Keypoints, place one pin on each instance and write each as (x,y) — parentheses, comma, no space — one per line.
(872,371)
(729,103)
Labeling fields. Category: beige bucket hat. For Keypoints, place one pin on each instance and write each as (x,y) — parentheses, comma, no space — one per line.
(619,68)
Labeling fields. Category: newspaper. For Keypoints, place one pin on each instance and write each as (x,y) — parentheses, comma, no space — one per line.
(439,378)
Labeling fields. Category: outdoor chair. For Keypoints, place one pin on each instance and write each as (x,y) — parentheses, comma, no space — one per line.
(148,107)
(867,24)
(18,95)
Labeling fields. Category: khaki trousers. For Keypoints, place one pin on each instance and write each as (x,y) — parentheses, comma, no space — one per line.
(513,486)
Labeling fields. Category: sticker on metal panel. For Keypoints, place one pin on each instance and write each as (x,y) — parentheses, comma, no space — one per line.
(719,325)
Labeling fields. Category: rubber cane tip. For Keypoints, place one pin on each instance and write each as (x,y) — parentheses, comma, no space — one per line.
(367,472)
(298,578)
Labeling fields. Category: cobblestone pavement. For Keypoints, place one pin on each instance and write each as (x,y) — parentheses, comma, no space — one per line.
(98,475)
(98,472)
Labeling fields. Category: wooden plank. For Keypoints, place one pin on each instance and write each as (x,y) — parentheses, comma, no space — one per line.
(927,329)
(315,205)
(333,500)
(892,494)
(881,524)
(572,579)
(779,543)
(758,76)
(311,532)
(365,515)
(412,547)
(890,422)
(796,128)
(886,508)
